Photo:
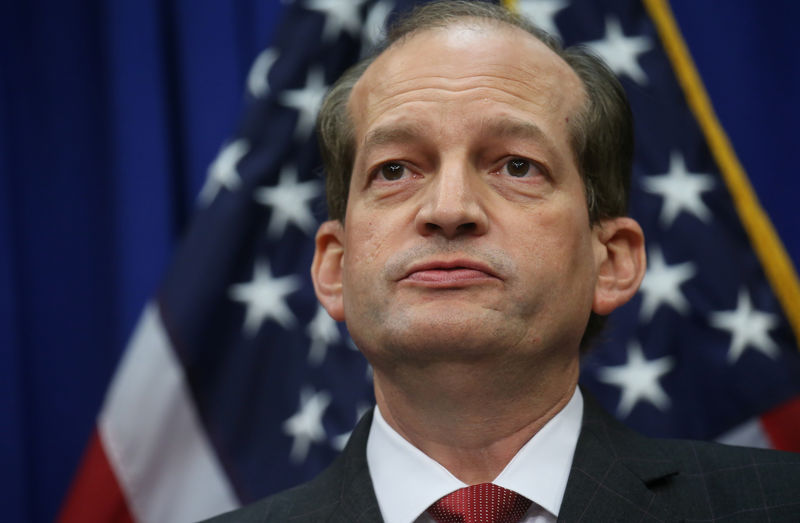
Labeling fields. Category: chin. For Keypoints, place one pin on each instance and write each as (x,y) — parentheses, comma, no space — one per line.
(443,339)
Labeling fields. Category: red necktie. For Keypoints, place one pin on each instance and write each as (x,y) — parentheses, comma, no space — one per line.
(483,503)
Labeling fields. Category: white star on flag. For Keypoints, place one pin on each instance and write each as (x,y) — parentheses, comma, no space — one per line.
(638,379)
(681,191)
(748,327)
(306,101)
(338,442)
(621,52)
(662,284)
(222,171)
(257,82)
(265,297)
(340,15)
(323,332)
(305,425)
(542,13)
(375,25)
(290,202)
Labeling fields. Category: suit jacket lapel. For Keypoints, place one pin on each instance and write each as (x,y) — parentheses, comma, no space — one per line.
(356,501)
(615,473)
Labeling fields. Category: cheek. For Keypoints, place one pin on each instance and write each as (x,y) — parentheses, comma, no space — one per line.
(364,261)
(560,229)
(559,247)
(373,235)
(365,242)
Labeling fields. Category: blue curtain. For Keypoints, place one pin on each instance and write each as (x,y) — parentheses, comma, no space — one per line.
(110,113)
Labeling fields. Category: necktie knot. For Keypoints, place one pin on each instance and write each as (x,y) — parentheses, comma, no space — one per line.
(483,503)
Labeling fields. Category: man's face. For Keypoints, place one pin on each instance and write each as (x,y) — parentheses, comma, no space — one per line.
(467,230)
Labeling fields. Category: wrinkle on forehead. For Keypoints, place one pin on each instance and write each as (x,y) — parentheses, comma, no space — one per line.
(461,63)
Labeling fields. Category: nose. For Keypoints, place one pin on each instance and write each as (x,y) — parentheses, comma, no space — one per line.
(453,205)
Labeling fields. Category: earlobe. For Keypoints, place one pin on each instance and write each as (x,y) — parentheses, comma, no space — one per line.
(326,268)
(621,262)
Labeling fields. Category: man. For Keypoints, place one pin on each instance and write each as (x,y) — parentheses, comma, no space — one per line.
(477,180)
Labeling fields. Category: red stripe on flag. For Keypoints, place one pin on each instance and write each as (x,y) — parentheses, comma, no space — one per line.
(95,494)
(782,425)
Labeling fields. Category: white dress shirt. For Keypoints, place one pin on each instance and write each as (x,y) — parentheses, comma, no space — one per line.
(407,481)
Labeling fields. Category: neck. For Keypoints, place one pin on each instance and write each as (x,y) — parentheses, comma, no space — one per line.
(471,420)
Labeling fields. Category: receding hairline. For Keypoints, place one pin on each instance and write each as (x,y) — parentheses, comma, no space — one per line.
(477,23)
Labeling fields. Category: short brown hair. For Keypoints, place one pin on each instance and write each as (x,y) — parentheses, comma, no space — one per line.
(601,134)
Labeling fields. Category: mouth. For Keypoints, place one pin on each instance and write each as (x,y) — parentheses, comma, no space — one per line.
(449,273)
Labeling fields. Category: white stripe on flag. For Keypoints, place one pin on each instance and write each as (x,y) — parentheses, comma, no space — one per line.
(153,437)
(748,434)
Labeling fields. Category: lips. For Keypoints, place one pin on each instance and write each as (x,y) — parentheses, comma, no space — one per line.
(449,272)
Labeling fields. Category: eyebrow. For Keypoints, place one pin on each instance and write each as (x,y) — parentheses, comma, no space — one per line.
(393,134)
(509,127)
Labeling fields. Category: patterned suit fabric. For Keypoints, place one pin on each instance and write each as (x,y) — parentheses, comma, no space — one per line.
(617,475)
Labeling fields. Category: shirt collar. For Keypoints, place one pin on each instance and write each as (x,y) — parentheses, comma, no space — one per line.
(407,481)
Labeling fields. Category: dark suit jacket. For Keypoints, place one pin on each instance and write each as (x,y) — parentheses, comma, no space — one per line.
(617,475)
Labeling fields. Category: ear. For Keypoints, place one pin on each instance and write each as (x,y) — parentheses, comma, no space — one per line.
(621,264)
(326,268)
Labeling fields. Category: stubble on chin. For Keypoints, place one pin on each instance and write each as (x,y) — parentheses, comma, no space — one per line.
(396,325)
(421,338)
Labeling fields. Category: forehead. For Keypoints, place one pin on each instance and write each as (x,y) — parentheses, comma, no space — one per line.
(467,61)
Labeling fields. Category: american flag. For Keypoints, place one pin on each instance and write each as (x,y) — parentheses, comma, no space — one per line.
(236,383)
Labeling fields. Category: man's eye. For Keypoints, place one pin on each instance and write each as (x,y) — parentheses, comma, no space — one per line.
(518,167)
(392,171)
